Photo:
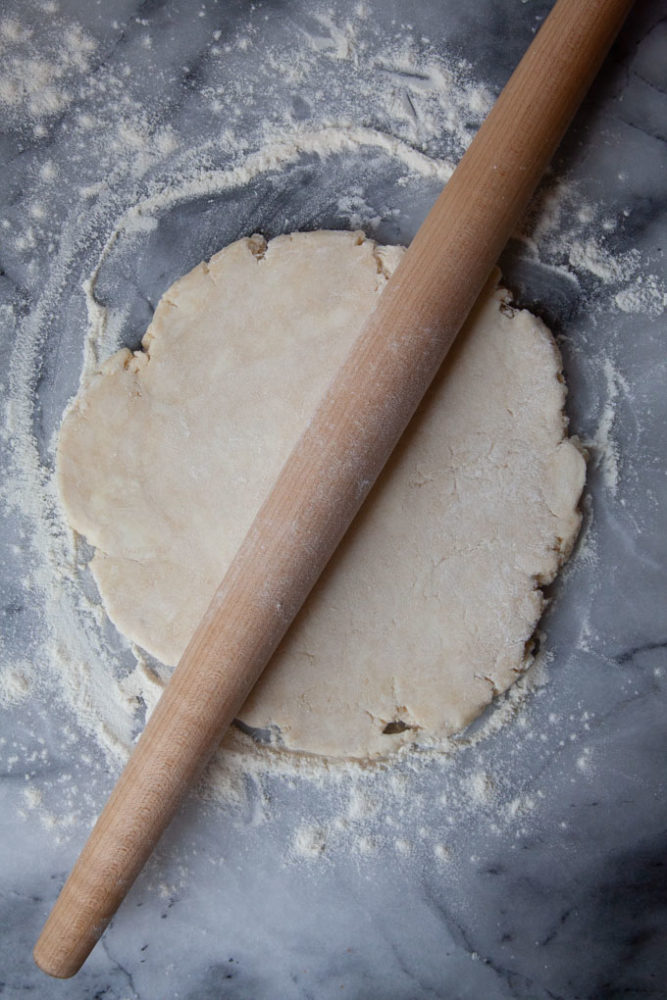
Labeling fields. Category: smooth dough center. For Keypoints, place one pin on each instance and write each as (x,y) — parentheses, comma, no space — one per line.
(427,610)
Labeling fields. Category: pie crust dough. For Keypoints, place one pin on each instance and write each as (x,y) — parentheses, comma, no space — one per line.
(427,610)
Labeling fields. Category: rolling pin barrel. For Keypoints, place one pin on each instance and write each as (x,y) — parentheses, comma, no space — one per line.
(334,465)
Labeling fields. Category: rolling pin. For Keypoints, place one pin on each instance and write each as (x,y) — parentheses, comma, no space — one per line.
(333,466)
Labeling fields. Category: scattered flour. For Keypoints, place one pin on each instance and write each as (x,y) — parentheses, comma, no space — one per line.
(37,82)
(442,852)
(602,446)
(647,296)
(15,683)
(309,842)
(392,96)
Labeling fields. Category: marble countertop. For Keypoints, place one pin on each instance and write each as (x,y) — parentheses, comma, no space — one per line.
(530,863)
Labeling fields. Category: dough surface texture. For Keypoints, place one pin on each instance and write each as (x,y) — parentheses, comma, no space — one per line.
(427,609)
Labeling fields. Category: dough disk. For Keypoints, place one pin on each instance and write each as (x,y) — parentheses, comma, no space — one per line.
(428,608)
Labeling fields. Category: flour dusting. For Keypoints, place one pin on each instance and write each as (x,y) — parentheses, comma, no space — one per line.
(341,93)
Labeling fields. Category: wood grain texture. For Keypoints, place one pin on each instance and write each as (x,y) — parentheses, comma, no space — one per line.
(334,465)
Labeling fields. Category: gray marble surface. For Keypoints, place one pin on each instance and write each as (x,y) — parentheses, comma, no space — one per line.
(553,884)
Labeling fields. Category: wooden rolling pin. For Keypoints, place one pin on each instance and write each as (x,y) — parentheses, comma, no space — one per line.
(333,466)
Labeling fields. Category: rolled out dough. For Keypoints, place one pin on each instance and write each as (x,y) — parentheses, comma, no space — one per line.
(427,610)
